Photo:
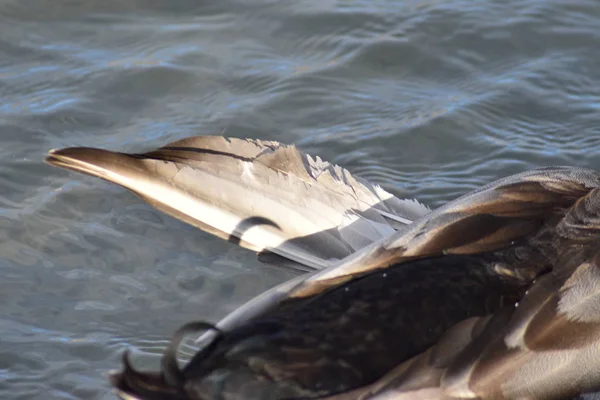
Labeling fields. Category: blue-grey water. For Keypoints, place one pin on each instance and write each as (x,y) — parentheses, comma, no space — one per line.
(428,98)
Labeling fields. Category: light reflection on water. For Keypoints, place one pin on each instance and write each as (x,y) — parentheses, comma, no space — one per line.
(430,99)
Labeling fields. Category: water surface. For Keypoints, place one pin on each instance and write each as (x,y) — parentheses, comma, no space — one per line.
(427,98)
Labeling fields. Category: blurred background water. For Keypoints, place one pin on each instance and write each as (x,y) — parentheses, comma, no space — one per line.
(428,98)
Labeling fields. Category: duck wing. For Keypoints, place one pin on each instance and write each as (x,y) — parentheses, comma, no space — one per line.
(545,347)
(262,195)
(516,214)
(496,216)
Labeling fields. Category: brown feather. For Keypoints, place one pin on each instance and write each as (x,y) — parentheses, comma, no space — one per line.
(264,196)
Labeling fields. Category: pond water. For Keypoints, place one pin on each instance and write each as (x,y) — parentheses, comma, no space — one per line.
(428,98)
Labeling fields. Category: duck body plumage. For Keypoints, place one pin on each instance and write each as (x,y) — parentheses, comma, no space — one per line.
(495,295)
(355,333)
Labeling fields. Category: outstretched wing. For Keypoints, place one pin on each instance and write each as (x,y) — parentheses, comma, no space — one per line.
(496,216)
(262,195)
(514,210)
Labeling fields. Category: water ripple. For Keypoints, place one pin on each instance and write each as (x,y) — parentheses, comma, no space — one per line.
(428,98)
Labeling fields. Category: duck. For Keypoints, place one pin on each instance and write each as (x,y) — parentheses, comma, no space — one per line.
(494,295)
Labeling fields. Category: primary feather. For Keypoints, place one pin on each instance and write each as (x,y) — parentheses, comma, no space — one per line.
(263,195)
